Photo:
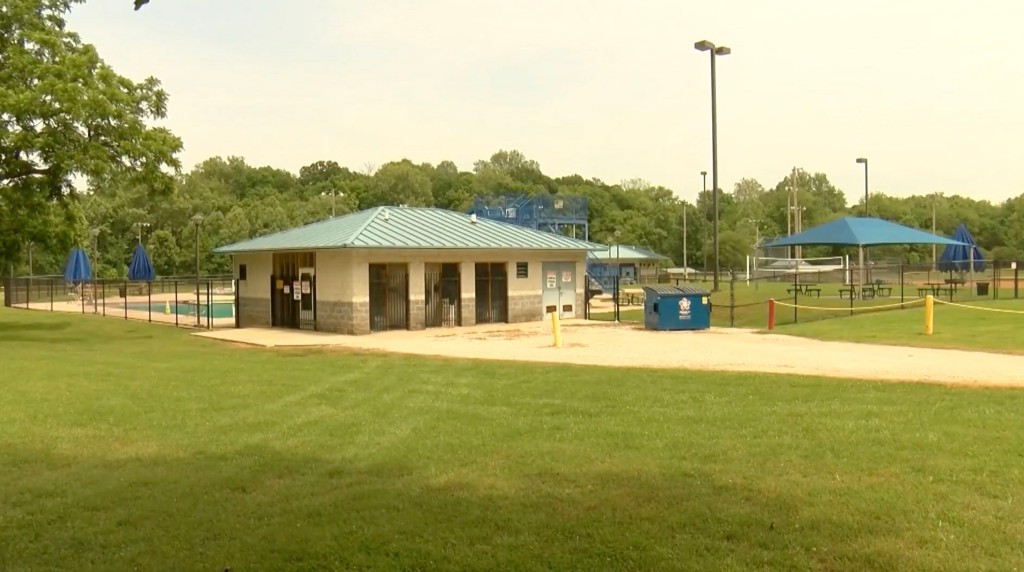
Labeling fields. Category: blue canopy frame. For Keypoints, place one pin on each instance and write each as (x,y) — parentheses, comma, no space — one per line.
(962,257)
(77,268)
(862,232)
(140,268)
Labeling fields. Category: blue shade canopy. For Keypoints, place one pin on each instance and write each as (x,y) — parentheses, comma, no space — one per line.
(861,231)
(76,268)
(140,268)
(957,257)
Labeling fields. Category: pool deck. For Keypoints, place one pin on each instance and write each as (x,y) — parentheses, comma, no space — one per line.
(115,307)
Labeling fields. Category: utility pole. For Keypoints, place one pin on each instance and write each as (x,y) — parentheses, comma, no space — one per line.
(140,226)
(935,260)
(797,219)
(685,260)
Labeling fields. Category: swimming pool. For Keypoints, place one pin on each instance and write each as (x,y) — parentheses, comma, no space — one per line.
(220,309)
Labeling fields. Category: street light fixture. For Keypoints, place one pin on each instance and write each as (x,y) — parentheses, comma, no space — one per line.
(714,51)
(864,161)
(140,226)
(198,221)
(95,233)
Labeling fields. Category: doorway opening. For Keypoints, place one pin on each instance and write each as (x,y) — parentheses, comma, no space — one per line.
(442,295)
(389,297)
(491,293)
(293,291)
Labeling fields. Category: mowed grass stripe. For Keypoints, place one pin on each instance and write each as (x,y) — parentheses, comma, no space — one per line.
(138,446)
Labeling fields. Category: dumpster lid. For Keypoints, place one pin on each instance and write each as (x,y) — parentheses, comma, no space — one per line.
(666,289)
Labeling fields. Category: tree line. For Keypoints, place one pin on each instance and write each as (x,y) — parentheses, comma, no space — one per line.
(81,164)
(239,201)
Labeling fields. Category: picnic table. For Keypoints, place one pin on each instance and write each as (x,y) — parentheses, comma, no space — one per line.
(868,291)
(631,297)
(935,289)
(805,289)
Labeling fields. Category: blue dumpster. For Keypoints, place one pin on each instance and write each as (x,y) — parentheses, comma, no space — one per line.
(676,308)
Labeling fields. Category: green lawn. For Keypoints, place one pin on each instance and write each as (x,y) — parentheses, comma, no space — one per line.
(954,327)
(135,446)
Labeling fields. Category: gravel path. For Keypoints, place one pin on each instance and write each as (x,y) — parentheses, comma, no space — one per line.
(607,344)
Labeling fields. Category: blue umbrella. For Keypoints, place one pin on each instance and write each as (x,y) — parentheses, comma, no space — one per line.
(77,268)
(140,268)
(956,257)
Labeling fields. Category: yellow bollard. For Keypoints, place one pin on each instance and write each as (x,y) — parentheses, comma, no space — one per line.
(929,315)
(556,329)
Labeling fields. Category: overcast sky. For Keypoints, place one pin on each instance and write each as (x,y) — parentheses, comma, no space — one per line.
(930,92)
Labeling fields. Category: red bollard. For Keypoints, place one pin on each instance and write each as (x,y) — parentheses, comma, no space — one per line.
(771,313)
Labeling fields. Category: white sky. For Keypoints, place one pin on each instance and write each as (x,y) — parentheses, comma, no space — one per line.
(931,92)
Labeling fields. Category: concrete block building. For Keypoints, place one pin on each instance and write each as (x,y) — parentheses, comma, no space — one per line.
(391,268)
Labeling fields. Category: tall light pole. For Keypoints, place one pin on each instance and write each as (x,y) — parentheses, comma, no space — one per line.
(198,221)
(706,46)
(864,161)
(935,251)
(95,234)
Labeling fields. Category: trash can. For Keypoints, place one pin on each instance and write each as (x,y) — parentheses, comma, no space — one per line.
(122,291)
(982,288)
(676,308)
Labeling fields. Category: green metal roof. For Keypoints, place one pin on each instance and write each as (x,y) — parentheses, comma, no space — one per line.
(626,252)
(409,227)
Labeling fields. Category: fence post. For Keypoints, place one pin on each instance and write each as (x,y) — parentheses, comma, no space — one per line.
(732,298)
(615,291)
(149,299)
(902,300)
(771,314)
(1016,270)
(51,295)
(997,276)
(104,299)
(796,291)
(175,303)
(209,305)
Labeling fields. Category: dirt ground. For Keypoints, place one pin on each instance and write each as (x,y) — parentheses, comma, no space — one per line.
(609,344)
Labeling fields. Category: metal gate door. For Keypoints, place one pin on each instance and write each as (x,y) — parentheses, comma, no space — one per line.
(389,297)
(491,293)
(307,299)
(442,295)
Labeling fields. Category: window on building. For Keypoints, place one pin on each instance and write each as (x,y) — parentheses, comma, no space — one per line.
(241,272)
(522,269)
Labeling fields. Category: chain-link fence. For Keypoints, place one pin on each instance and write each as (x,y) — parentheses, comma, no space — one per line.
(209,302)
(814,294)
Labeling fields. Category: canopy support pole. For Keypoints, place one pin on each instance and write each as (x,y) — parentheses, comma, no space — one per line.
(860,254)
(970,262)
